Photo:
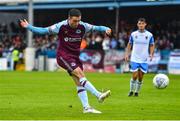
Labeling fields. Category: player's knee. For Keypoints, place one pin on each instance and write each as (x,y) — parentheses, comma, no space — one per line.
(78,83)
(134,77)
(140,79)
(79,75)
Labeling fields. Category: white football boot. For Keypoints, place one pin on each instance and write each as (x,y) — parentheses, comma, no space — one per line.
(104,95)
(91,110)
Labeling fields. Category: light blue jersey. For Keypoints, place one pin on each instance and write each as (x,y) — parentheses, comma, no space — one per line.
(140,42)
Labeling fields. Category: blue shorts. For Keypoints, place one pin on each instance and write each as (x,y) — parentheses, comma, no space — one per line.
(136,66)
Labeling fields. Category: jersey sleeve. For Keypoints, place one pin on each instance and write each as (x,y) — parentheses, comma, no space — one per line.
(54,29)
(38,30)
(131,39)
(151,42)
(90,27)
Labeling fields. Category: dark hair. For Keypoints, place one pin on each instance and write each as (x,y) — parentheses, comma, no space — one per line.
(142,20)
(74,12)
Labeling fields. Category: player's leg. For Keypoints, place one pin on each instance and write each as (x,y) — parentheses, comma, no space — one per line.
(139,83)
(134,70)
(143,69)
(82,82)
(82,93)
(75,70)
(133,83)
(87,84)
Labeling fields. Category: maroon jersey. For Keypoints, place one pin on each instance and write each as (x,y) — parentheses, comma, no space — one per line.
(70,40)
(69,43)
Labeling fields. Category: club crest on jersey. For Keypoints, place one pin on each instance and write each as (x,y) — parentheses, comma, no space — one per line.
(136,37)
(73,64)
(78,31)
(146,37)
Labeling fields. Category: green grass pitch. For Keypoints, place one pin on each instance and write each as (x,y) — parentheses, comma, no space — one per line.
(52,95)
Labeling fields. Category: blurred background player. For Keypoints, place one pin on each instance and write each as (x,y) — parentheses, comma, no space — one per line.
(70,33)
(142,44)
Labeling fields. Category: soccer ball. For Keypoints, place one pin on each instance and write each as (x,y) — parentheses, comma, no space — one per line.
(161,81)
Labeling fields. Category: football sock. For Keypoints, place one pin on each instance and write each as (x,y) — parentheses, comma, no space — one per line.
(138,86)
(82,94)
(132,85)
(88,86)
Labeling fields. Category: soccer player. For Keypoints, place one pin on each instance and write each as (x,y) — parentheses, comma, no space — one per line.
(142,44)
(70,33)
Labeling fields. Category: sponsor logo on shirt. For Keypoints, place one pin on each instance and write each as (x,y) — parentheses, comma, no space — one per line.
(69,39)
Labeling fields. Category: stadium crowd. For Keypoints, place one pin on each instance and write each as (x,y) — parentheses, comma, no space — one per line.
(166,36)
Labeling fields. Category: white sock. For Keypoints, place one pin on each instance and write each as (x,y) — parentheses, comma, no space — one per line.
(82,94)
(138,86)
(132,85)
(88,86)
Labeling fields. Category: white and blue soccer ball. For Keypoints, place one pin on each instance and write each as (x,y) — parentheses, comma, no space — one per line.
(160,81)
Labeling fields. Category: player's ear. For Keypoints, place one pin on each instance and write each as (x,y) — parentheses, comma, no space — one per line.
(145,23)
(137,24)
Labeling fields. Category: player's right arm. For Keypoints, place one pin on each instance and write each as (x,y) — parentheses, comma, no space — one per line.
(128,48)
(54,29)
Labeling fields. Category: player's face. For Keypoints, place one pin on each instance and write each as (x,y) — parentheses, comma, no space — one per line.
(141,25)
(74,21)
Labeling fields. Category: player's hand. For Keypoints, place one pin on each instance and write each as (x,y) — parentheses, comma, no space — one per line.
(109,32)
(24,23)
(126,57)
(151,57)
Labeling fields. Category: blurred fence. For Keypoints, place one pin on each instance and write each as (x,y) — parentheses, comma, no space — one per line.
(111,61)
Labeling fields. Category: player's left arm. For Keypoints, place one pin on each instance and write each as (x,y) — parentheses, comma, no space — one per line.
(90,27)
(151,48)
(102,29)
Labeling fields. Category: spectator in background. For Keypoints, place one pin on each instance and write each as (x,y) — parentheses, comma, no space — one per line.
(1,51)
(121,42)
(15,57)
(83,44)
(177,42)
(106,44)
(167,36)
(52,41)
(96,42)
(113,43)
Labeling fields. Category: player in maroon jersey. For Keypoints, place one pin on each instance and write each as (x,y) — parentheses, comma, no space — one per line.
(70,33)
